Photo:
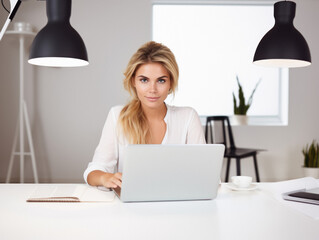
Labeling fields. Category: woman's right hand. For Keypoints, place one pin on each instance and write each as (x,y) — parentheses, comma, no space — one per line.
(111,180)
(108,180)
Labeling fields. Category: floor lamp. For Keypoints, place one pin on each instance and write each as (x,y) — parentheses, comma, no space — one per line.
(22,31)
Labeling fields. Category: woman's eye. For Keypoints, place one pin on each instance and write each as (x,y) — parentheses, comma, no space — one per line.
(162,80)
(143,80)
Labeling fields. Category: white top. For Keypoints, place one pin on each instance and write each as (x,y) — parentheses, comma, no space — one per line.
(183,126)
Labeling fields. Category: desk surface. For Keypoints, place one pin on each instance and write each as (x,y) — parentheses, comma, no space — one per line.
(233,215)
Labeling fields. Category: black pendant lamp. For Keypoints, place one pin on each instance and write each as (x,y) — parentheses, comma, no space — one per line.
(58,44)
(283,46)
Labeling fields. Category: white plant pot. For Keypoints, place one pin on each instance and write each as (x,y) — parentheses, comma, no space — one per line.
(240,120)
(311,172)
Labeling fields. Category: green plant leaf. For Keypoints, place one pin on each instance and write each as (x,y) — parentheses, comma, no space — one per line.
(250,100)
(242,107)
(311,155)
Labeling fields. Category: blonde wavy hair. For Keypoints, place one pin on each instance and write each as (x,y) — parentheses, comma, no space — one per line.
(132,119)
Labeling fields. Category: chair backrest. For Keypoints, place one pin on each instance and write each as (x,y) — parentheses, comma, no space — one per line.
(219,122)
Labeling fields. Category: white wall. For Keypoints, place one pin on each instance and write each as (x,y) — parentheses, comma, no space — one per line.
(68,107)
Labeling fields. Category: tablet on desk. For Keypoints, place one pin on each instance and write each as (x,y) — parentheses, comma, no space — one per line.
(306,196)
(154,172)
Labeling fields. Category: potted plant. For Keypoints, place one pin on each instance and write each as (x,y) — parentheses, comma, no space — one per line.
(240,109)
(311,160)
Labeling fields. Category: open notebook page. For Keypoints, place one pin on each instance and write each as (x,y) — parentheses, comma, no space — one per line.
(70,193)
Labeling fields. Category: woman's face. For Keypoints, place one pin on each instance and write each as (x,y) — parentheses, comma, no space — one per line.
(152,82)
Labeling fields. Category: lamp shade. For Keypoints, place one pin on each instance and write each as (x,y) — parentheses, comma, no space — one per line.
(283,45)
(58,44)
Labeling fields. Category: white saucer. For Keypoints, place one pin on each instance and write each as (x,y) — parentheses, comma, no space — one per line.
(234,187)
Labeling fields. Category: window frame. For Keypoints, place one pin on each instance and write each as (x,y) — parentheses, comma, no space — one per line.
(272,120)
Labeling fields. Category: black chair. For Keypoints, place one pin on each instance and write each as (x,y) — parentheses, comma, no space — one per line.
(232,151)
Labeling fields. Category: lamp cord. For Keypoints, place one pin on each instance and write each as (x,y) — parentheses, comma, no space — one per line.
(4,6)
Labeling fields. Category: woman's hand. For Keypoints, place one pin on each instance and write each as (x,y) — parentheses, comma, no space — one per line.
(110,180)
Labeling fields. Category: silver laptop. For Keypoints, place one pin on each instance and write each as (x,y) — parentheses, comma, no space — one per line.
(170,172)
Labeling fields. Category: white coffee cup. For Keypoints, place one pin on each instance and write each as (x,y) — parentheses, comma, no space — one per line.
(242,181)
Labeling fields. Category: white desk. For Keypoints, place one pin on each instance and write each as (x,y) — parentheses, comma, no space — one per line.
(233,215)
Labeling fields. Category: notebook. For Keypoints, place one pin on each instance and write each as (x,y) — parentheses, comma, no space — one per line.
(70,193)
(303,195)
(170,172)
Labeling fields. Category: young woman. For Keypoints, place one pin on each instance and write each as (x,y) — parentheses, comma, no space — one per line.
(151,74)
